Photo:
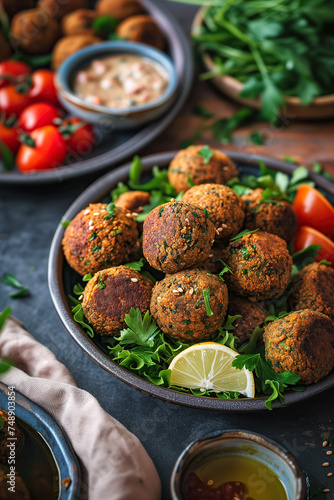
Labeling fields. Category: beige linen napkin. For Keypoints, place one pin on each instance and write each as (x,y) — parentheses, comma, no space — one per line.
(114,464)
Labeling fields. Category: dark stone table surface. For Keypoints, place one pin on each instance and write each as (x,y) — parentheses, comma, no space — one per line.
(28,220)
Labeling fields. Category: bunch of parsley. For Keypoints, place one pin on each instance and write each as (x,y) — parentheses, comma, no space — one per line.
(276,48)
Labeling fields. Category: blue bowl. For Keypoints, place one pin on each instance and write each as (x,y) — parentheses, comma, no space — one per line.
(114,118)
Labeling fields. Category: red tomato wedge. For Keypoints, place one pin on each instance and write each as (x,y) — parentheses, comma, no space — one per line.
(309,236)
(314,210)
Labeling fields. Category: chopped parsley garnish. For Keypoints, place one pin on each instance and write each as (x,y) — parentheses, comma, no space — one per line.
(206,153)
(242,233)
(65,222)
(245,272)
(245,253)
(206,295)
(116,232)
(137,266)
(96,249)
(160,211)
(226,269)
(93,236)
(87,277)
(207,213)
(111,211)
(10,280)
(101,283)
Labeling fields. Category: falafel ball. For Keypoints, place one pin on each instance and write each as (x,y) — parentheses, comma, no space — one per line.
(34,32)
(11,8)
(119,8)
(227,209)
(313,288)
(133,201)
(252,314)
(303,343)
(180,308)
(141,29)
(59,8)
(261,266)
(68,45)
(95,240)
(79,22)
(21,491)
(5,47)
(109,296)
(189,165)
(177,235)
(276,217)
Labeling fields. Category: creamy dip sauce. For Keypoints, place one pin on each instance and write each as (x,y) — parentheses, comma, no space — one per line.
(121,81)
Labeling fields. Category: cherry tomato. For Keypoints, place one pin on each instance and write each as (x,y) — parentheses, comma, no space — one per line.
(79,136)
(38,115)
(308,236)
(43,87)
(15,69)
(314,210)
(9,136)
(13,101)
(47,150)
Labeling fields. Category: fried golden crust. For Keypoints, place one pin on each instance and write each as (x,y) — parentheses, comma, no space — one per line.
(225,206)
(277,218)
(177,235)
(59,8)
(303,343)
(141,29)
(109,296)
(313,288)
(68,45)
(119,8)
(134,201)
(34,32)
(79,22)
(188,164)
(252,314)
(92,242)
(261,266)
(178,304)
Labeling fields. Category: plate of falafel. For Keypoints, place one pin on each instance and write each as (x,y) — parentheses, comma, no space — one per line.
(195,247)
(42,34)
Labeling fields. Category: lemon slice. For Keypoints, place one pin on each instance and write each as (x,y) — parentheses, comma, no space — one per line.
(208,366)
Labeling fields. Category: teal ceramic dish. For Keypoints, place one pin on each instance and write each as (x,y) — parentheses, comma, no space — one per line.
(45,460)
(114,118)
(239,443)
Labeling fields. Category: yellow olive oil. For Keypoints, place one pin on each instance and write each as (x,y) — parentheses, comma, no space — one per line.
(261,481)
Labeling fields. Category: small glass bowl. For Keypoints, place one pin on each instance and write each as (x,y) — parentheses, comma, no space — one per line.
(240,443)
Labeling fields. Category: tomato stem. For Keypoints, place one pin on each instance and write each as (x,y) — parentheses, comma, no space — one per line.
(27,140)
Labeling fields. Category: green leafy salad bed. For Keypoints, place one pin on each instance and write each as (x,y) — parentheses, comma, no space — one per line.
(145,350)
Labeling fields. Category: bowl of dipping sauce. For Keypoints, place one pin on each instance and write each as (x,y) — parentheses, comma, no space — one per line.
(118,84)
(237,464)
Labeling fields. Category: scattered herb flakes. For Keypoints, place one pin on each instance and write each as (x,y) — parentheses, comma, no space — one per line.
(4,316)
(96,249)
(202,112)
(206,153)
(206,295)
(87,277)
(93,236)
(101,283)
(207,213)
(137,266)
(257,138)
(116,232)
(245,253)
(65,222)
(242,233)
(160,211)
(226,269)
(111,211)
(12,281)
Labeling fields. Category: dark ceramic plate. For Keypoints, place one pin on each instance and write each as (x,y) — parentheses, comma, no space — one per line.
(42,432)
(116,147)
(62,279)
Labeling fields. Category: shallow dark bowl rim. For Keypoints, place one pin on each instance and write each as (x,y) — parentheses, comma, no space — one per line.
(42,422)
(93,194)
(65,71)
